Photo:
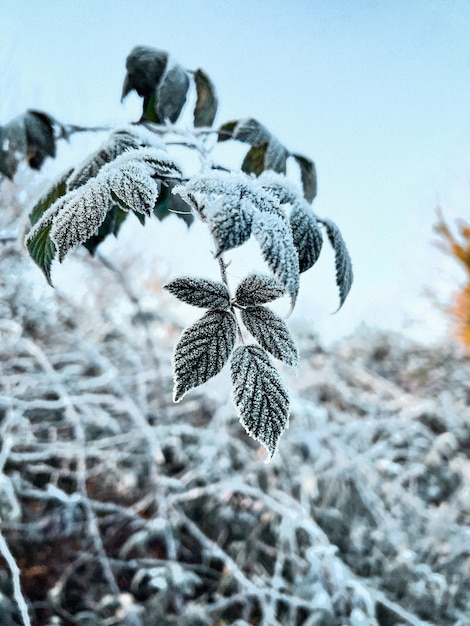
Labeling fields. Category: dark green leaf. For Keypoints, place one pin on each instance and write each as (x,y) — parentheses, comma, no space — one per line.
(201,292)
(276,156)
(40,138)
(42,249)
(308,175)
(271,332)
(260,396)
(171,93)
(253,163)
(145,67)
(203,350)
(226,131)
(55,191)
(258,289)
(206,103)
(343,264)
(149,109)
(306,234)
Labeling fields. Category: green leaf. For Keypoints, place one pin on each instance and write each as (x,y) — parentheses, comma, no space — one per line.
(251,131)
(42,249)
(276,156)
(203,350)
(258,289)
(171,92)
(55,191)
(201,292)
(271,332)
(149,109)
(308,176)
(206,103)
(226,131)
(253,163)
(260,396)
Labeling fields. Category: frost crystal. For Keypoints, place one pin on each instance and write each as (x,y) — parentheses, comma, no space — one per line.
(260,396)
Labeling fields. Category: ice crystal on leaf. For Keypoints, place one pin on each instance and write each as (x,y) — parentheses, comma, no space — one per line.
(343,264)
(258,289)
(306,234)
(274,237)
(271,332)
(201,292)
(203,350)
(260,396)
(133,186)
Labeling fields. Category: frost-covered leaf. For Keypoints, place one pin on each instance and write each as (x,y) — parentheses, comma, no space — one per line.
(251,131)
(40,138)
(276,156)
(134,187)
(274,236)
(306,234)
(38,240)
(253,163)
(271,332)
(118,142)
(225,132)
(258,289)
(230,223)
(343,264)
(260,396)
(55,191)
(308,175)
(111,225)
(209,294)
(81,217)
(145,67)
(203,350)
(13,146)
(171,92)
(206,103)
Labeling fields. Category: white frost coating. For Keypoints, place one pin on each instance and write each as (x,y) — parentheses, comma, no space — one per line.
(133,186)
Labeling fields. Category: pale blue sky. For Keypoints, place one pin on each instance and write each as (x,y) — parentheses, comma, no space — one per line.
(376,92)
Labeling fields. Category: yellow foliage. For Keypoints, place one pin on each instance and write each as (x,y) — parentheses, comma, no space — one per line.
(458,246)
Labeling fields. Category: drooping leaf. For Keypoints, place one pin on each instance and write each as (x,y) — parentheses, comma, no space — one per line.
(149,109)
(81,217)
(55,191)
(171,92)
(38,240)
(253,163)
(201,292)
(251,131)
(306,234)
(271,332)
(13,146)
(40,138)
(276,156)
(274,236)
(111,225)
(145,67)
(343,264)
(260,396)
(203,350)
(258,289)
(225,132)
(134,187)
(308,176)
(206,103)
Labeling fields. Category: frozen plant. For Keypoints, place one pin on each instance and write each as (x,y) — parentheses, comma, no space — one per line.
(134,172)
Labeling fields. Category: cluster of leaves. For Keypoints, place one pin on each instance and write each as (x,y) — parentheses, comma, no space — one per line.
(133,172)
(459,250)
